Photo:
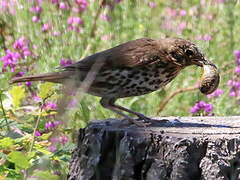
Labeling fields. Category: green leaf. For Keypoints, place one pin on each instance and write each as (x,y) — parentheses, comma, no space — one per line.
(17,93)
(85,111)
(6,142)
(46,90)
(41,149)
(19,159)
(46,175)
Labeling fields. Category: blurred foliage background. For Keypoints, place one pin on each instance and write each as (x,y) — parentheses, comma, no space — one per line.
(36,36)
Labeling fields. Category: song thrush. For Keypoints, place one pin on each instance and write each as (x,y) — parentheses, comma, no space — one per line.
(131,69)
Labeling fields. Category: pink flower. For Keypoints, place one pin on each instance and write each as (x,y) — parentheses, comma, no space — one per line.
(37,133)
(216,93)
(52,148)
(237,54)
(152,4)
(55,1)
(28,83)
(105,38)
(182,13)
(207,37)
(35,19)
(65,62)
(56,34)
(74,23)
(50,106)
(51,125)
(82,4)
(237,70)
(46,27)
(232,93)
(229,83)
(62,5)
(182,25)
(104,17)
(200,37)
(63,139)
(10,60)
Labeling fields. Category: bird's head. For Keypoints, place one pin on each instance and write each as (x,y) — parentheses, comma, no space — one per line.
(184,52)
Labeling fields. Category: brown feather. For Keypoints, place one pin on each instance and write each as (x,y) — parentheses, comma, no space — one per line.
(56,77)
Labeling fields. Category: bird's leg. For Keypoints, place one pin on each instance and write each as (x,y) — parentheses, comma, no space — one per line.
(139,115)
(109,104)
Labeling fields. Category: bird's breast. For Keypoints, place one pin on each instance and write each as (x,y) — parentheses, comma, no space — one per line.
(126,82)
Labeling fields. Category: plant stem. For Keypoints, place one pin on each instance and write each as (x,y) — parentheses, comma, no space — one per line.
(167,99)
(3,110)
(35,129)
(92,34)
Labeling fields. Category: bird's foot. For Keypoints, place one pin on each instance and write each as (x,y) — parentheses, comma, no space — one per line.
(139,123)
(136,122)
(151,120)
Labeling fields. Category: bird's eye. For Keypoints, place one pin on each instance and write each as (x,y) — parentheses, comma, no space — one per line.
(189,52)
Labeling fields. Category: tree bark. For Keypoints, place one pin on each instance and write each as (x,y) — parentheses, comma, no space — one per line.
(187,148)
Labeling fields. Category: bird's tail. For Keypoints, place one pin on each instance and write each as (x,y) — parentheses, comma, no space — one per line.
(56,77)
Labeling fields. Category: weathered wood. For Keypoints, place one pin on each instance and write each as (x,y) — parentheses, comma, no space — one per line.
(206,148)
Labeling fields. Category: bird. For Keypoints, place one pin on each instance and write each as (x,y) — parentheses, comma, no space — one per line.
(133,68)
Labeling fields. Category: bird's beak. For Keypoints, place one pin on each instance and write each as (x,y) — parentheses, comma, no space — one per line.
(201,62)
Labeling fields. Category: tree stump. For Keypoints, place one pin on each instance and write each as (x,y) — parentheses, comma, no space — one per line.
(186,148)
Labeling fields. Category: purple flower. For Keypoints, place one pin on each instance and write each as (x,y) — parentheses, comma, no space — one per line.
(50,106)
(104,17)
(74,23)
(56,34)
(51,125)
(37,133)
(208,108)
(229,83)
(52,148)
(21,45)
(152,4)
(46,27)
(202,107)
(35,19)
(62,5)
(82,4)
(10,60)
(36,98)
(55,1)
(201,104)
(194,109)
(232,94)
(36,9)
(207,37)
(200,37)
(63,139)
(18,44)
(182,13)
(237,56)
(28,83)
(65,62)
(215,94)
(19,74)
(182,25)
(237,70)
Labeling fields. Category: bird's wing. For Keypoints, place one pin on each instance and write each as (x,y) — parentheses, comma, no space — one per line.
(130,54)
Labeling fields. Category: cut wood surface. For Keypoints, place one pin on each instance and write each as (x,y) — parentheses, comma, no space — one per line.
(206,148)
